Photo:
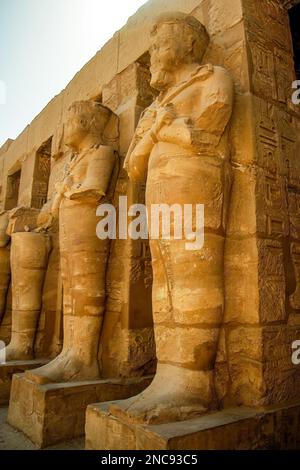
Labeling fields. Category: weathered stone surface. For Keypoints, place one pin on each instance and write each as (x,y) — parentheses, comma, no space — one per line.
(6,375)
(241,281)
(231,429)
(53,413)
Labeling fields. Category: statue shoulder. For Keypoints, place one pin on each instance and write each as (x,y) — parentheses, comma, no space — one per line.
(216,79)
(98,151)
(215,72)
(222,73)
(150,111)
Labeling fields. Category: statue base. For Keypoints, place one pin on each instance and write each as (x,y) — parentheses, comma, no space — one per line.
(230,429)
(53,413)
(8,369)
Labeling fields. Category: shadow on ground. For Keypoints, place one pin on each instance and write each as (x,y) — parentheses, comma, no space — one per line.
(10,439)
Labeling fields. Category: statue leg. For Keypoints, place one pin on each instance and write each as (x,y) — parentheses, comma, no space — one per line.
(188,304)
(29,258)
(83,264)
(188,309)
(4,278)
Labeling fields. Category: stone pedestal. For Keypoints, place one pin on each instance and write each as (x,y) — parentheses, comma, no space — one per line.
(53,413)
(231,429)
(7,371)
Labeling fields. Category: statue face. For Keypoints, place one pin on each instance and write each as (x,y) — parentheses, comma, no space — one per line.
(173,45)
(74,131)
(85,121)
(164,56)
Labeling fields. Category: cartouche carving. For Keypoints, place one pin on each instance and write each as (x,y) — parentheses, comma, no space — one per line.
(181,147)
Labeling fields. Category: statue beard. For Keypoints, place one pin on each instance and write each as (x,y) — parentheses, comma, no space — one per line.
(161,79)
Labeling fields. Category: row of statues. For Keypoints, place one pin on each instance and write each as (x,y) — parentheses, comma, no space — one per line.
(180,150)
(86,181)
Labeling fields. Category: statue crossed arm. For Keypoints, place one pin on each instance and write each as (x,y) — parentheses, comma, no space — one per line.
(210,94)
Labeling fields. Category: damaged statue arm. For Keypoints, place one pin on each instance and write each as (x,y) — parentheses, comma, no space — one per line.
(208,121)
(49,213)
(137,160)
(216,106)
(98,176)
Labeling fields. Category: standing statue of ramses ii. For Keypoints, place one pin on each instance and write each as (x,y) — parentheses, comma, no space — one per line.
(181,149)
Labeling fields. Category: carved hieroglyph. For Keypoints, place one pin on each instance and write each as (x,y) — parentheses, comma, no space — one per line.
(87,182)
(181,146)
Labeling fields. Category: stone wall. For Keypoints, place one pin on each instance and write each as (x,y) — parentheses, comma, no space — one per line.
(263,248)
(262,314)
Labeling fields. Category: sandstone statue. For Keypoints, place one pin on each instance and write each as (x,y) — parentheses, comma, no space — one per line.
(4,261)
(181,148)
(83,256)
(28,260)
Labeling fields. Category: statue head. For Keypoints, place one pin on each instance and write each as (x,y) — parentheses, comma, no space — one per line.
(86,120)
(4,237)
(176,39)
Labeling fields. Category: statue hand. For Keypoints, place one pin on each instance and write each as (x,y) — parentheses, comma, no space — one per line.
(137,167)
(45,221)
(84,192)
(46,216)
(16,212)
(165,116)
(59,187)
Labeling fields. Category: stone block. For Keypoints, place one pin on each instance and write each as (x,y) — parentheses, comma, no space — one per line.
(53,413)
(241,281)
(6,375)
(230,429)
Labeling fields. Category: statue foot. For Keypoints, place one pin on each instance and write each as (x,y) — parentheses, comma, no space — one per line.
(65,368)
(157,408)
(166,400)
(12,353)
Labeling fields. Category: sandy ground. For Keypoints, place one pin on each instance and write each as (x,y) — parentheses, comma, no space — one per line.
(10,439)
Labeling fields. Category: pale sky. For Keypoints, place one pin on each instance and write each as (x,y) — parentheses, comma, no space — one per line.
(43,44)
